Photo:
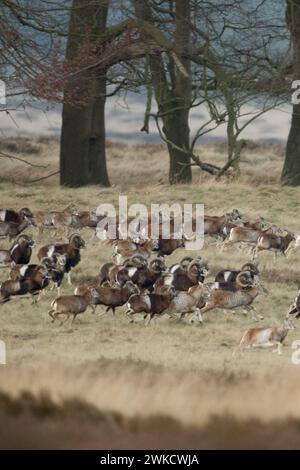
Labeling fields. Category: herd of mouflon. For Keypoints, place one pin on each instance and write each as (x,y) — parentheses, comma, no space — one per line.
(138,275)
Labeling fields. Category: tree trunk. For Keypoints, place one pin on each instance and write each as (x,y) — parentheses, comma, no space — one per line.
(291,169)
(177,126)
(82,151)
(176,130)
(173,92)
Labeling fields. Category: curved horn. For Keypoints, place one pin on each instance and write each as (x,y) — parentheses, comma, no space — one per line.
(196,261)
(186,261)
(139,258)
(22,235)
(135,260)
(75,234)
(250,267)
(243,279)
(25,211)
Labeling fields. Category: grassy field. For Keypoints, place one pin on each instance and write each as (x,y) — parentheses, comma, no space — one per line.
(170,384)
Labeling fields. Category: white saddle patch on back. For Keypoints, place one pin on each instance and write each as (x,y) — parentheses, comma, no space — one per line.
(168,280)
(132,271)
(51,250)
(23,270)
(227,275)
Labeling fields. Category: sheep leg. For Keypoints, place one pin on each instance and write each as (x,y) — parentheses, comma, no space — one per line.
(51,312)
(148,319)
(289,250)
(196,314)
(207,307)
(225,244)
(278,350)
(69,279)
(93,308)
(199,315)
(254,253)
(55,315)
(41,292)
(129,312)
(244,343)
(255,316)
(68,315)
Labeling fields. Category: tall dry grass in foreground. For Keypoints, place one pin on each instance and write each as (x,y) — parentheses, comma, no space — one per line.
(173,374)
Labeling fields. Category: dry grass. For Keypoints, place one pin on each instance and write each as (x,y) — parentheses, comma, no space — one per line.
(180,371)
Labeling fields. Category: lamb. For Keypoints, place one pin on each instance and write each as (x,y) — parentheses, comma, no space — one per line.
(72,305)
(85,219)
(265,337)
(273,242)
(55,218)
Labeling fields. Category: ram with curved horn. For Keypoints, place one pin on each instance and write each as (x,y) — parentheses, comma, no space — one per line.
(149,305)
(71,250)
(19,253)
(181,280)
(229,275)
(54,266)
(142,275)
(9,215)
(241,293)
(130,265)
(182,265)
